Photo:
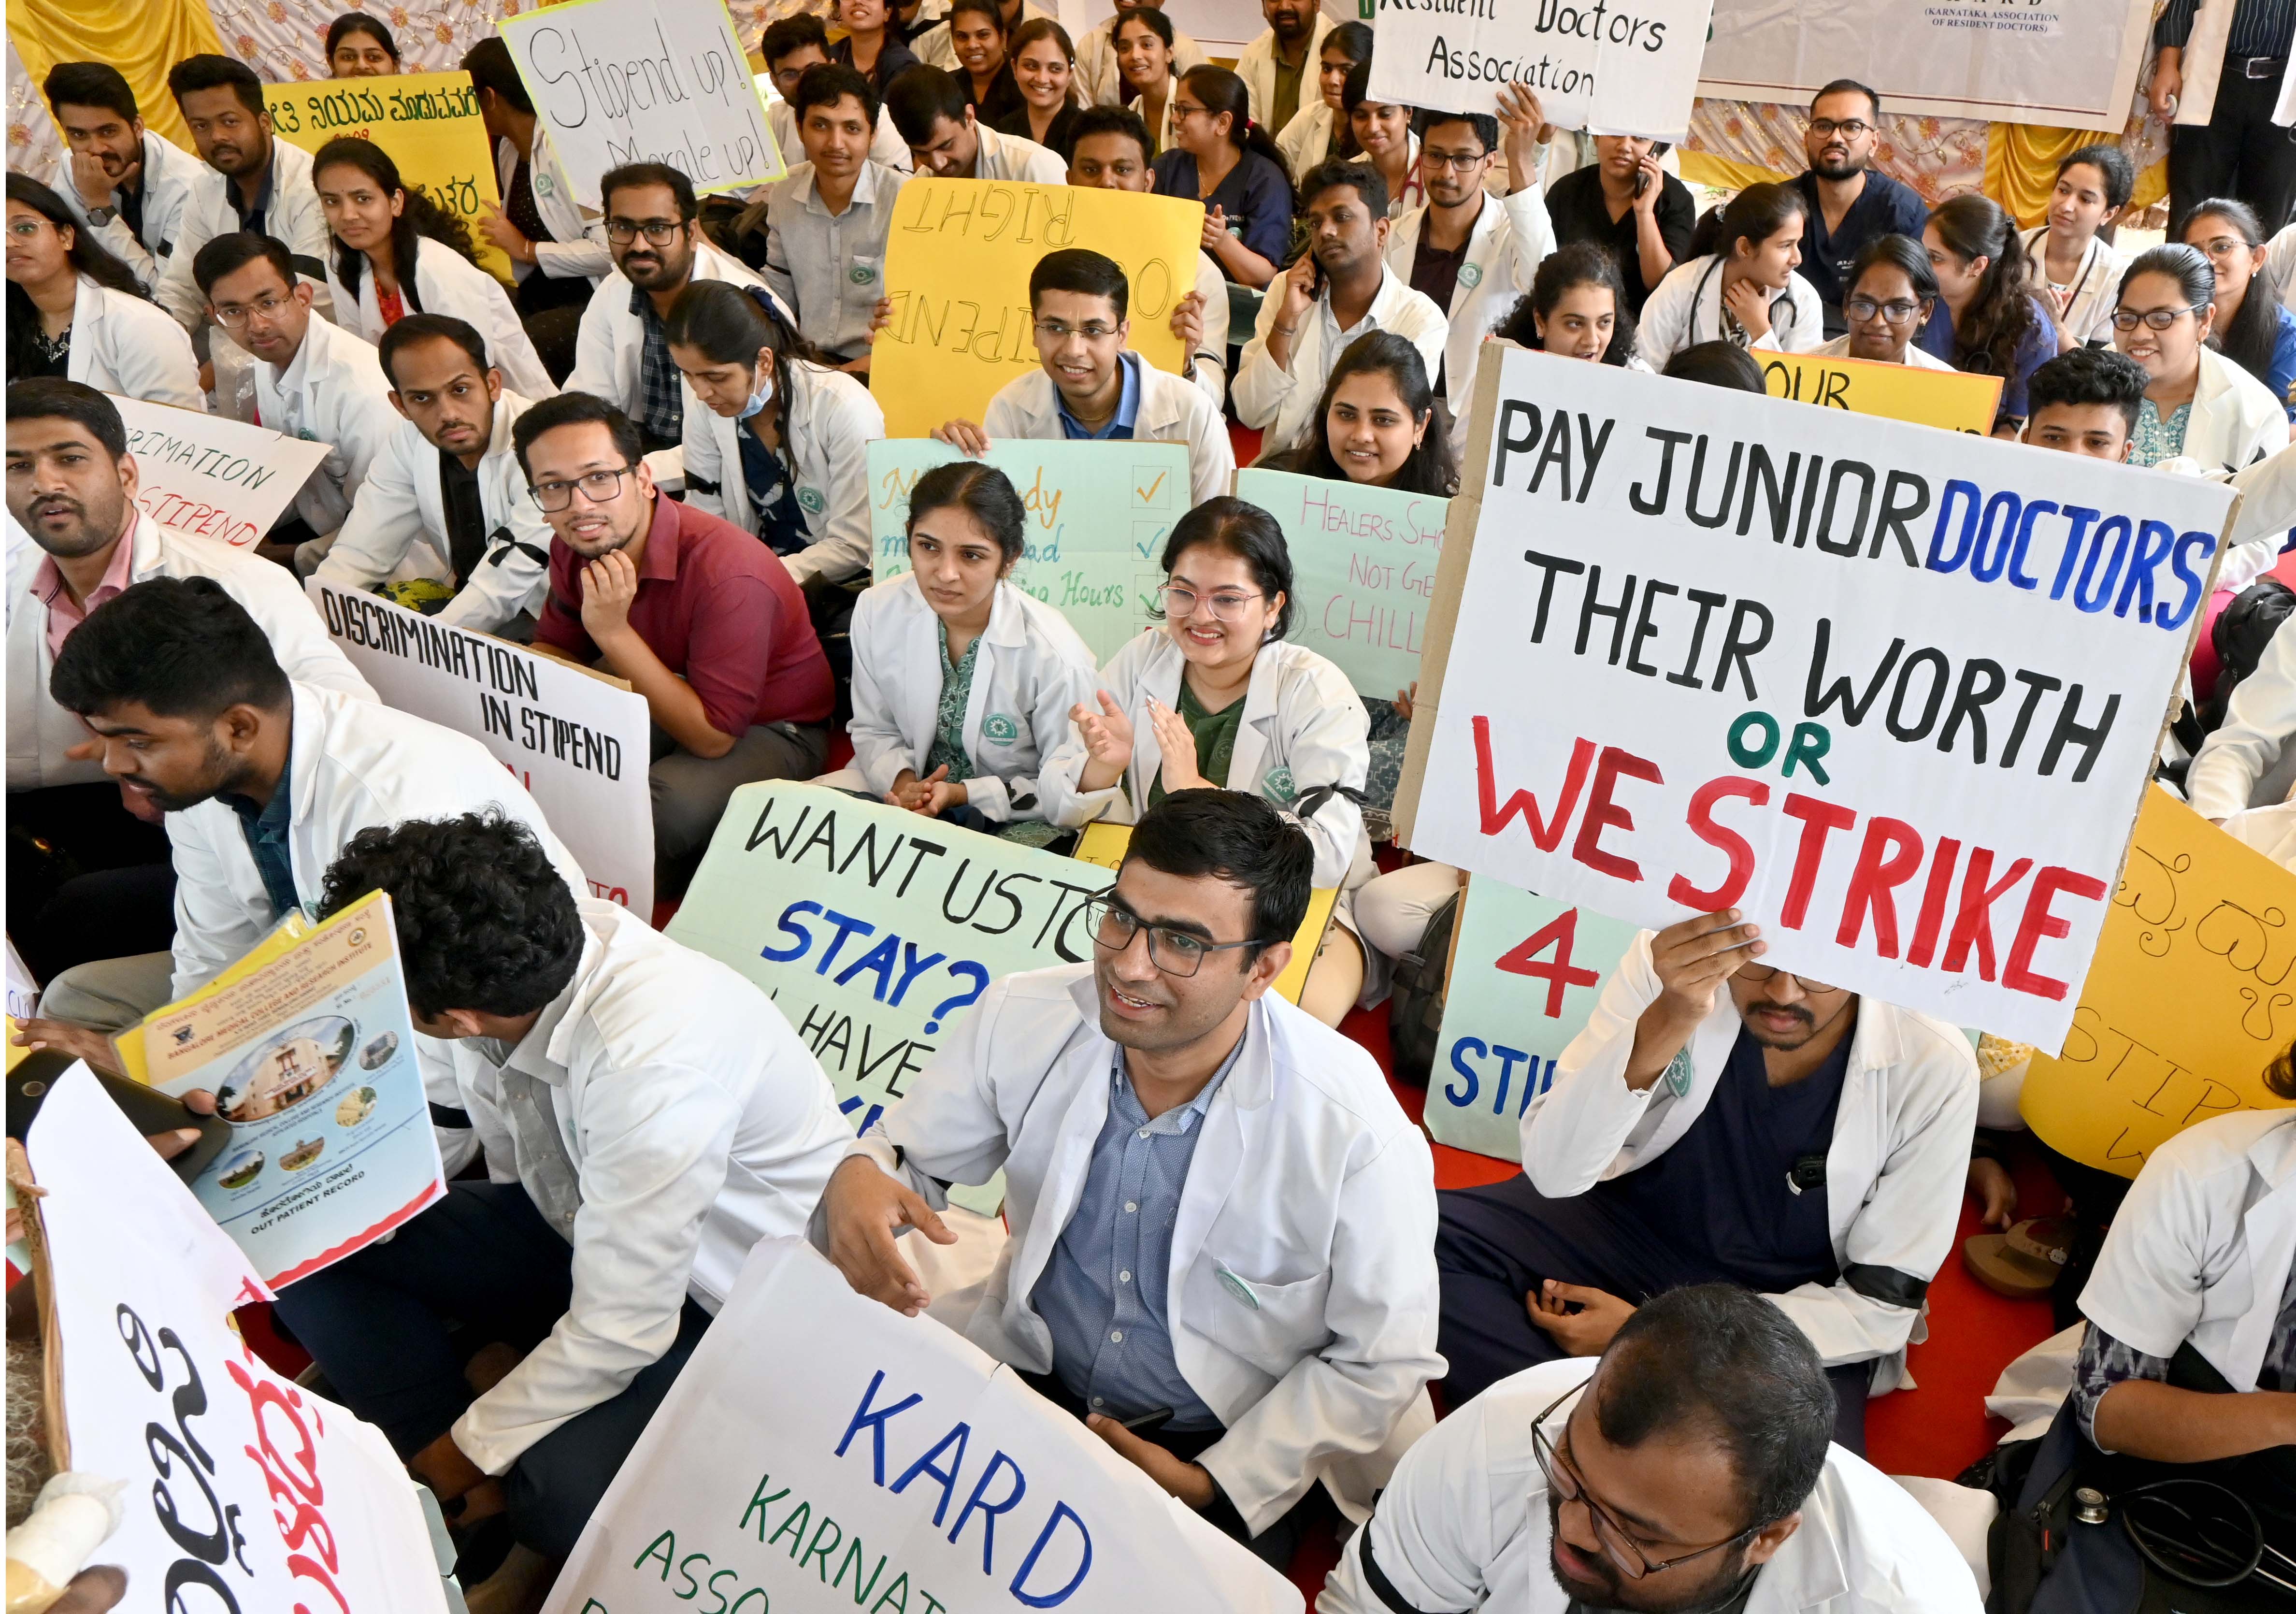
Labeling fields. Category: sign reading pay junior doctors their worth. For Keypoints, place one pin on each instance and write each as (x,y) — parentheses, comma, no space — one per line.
(1606,67)
(1363,568)
(211,475)
(579,744)
(2188,1003)
(884,1463)
(1894,692)
(1098,516)
(617,81)
(429,123)
(956,269)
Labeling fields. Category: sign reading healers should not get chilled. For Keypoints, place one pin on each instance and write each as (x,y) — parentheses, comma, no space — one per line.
(1892,692)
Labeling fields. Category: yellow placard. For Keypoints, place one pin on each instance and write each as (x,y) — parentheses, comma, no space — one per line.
(1104,843)
(2192,994)
(1898,392)
(956,269)
(429,123)
(284,939)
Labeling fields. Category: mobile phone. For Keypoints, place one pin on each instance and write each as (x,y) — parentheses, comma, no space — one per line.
(147,1108)
(1149,1422)
(1657,150)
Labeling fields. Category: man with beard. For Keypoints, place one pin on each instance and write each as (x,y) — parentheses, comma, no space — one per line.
(1721,1120)
(252,182)
(127,184)
(702,619)
(653,230)
(1849,204)
(1221,1217)
(71,486)
(265,779)
(1274,66)
(1688,1470)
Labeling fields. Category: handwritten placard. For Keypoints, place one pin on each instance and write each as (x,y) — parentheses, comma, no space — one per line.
(212,475)
(957,269)
(1363,565)
(429,122)
(1945,399)
(1608,70)
(1098,516)
(2193,993)
(620,81)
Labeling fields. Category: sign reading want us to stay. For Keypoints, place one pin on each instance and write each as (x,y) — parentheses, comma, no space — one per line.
(210,474)
(885,1464)
(1948,398)
(1098,516)
(956,269)
(1895,693)
(1606,67)
(580,744)
(1363,565)
(619,81)
(1525,974)
(429,122)
(2189,1000)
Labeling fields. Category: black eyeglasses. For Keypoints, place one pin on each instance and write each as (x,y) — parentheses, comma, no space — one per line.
(1863,308)
(1762,975)
(598,487)
(1620,1548)
(1177,953)
(2158,319)
(1852,128)
(661,232)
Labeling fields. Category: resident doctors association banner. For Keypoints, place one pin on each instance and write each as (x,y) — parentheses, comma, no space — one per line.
(1610,67)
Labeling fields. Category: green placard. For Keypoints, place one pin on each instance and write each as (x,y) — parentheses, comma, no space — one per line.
(1525,974)
(1098,516)
(1363,564)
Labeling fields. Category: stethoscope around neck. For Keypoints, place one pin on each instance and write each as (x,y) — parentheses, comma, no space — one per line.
(1714,267)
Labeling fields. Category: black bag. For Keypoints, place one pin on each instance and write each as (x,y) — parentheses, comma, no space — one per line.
(1414,1013)
(2241,634)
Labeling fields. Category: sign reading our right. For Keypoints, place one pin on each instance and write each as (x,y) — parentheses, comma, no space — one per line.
(1893,692)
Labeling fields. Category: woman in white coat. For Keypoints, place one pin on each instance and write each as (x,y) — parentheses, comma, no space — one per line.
(1319,128)
(397,252)
(1892,292)
(962,683)
(76,311)
(781,444)
(1216,699)
(1745,291)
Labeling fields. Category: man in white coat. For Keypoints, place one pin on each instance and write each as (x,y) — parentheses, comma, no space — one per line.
(933,108)
(1220,1217)
(1471,254)
(126,185)
(1089,387)
(313,379)
(71,486)
(1278,69)
(447,486)
(251,181)
(1705,1425)
(1096,76)
(1720,1119)
(648,1115)
(791,46)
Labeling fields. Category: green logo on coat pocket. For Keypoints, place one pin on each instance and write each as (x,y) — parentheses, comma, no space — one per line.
(1278,785)
(999,728)
(811,500)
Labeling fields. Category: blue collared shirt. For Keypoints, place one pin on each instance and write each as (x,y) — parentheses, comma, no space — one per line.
(265,829)
(1127,406)
(253,215)
(1103,1291)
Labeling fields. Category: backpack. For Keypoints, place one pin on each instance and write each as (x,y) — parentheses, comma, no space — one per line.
(2241,634)
(1415,1012)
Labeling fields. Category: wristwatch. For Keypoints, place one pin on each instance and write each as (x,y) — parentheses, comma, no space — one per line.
(100,216)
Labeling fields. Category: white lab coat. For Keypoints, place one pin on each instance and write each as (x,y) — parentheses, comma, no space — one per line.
(39,731)
(1304,727)
(355,764)
(885,142)
(334,392)
(1030,669)
(1686,308)
(1171,411)
(1918,357)
(2235,421)
(1306,140)
(828,422)
(447,282)
(401,510)
(1282,402)
(1893,1173)
(2096,287)
(121,344)
(2279,261)
(695,1123)
(2248,762)
(1464,1525)
(293,218)
(1256,65)
(170,173)
(1309,1192)
(580,247)
(2199,1250)
(1211,355)
(1008,157)
(1510,239)
(1098,79)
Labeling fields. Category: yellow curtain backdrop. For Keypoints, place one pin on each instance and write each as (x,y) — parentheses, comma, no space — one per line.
(143,38)
(2021,167)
